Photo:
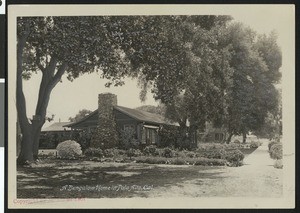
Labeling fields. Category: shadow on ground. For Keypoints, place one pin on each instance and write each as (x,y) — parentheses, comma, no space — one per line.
(86,179)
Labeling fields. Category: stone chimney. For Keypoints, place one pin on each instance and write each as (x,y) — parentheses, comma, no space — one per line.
(106,101)
(105,135)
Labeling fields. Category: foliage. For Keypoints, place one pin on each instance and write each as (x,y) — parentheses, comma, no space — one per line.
(168,153)
(276,151)
(178,161)
(68,150)
(168,136)
(133,152)
(255,70)
(80,115)
(210,146)
(202,68)
(233,145)
(152,160)
(271,143)
(159,110)
(47,153)
(151,150)
(94,152)
(255,144)
(83,137)
(278,164)
(184,142)
(110,153)
(234,157)
(215,153)
(272,127)
(189,154)
(182,161)
(127,138)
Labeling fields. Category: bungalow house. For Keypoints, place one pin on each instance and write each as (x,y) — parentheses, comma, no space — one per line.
(145,125)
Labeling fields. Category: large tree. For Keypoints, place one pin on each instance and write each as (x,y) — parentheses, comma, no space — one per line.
(193,71)
(72,46)
(255,61)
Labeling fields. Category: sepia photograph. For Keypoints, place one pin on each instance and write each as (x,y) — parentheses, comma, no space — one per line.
(151,106)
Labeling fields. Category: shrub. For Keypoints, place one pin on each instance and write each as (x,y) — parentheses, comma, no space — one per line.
(190,154)
(110,153)
(278,164)
(68,150)
(184,143)
(152,160)
(121,152)
(215,154)
(47,153)
(167,152)
(151,150)
(210,146)
(133,153)
(234,157)
(168,136)
(83,138)
(128,139)
(178,161)
(276,151)
(271,144)
(232,146)
(255,144)
(183,161)
(94,152)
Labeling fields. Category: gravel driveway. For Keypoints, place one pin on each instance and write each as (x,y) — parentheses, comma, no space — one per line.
(257,178)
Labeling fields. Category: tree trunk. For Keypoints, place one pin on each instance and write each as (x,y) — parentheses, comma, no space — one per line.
(26,142)
(229,138)
(244,137)
(26,155)
(36,139)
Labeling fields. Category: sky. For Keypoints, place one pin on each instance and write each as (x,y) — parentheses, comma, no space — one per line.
(68,98)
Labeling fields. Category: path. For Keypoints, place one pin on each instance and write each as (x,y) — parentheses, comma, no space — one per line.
(256,178)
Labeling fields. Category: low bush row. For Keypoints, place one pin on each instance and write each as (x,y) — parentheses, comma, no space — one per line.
(183,161)
(205,155)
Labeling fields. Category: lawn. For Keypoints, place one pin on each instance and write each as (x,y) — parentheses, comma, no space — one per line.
(87,179)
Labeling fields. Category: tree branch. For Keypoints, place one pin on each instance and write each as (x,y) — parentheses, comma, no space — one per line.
(59,73)
(46,87)
(37,60)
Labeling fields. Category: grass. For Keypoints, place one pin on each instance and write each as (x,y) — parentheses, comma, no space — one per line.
(59,178)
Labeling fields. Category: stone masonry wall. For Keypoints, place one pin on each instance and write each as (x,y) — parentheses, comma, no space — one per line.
(105,136)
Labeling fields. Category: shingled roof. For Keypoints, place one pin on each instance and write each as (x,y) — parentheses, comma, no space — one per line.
(142,116)
(139,115)
(57,127)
